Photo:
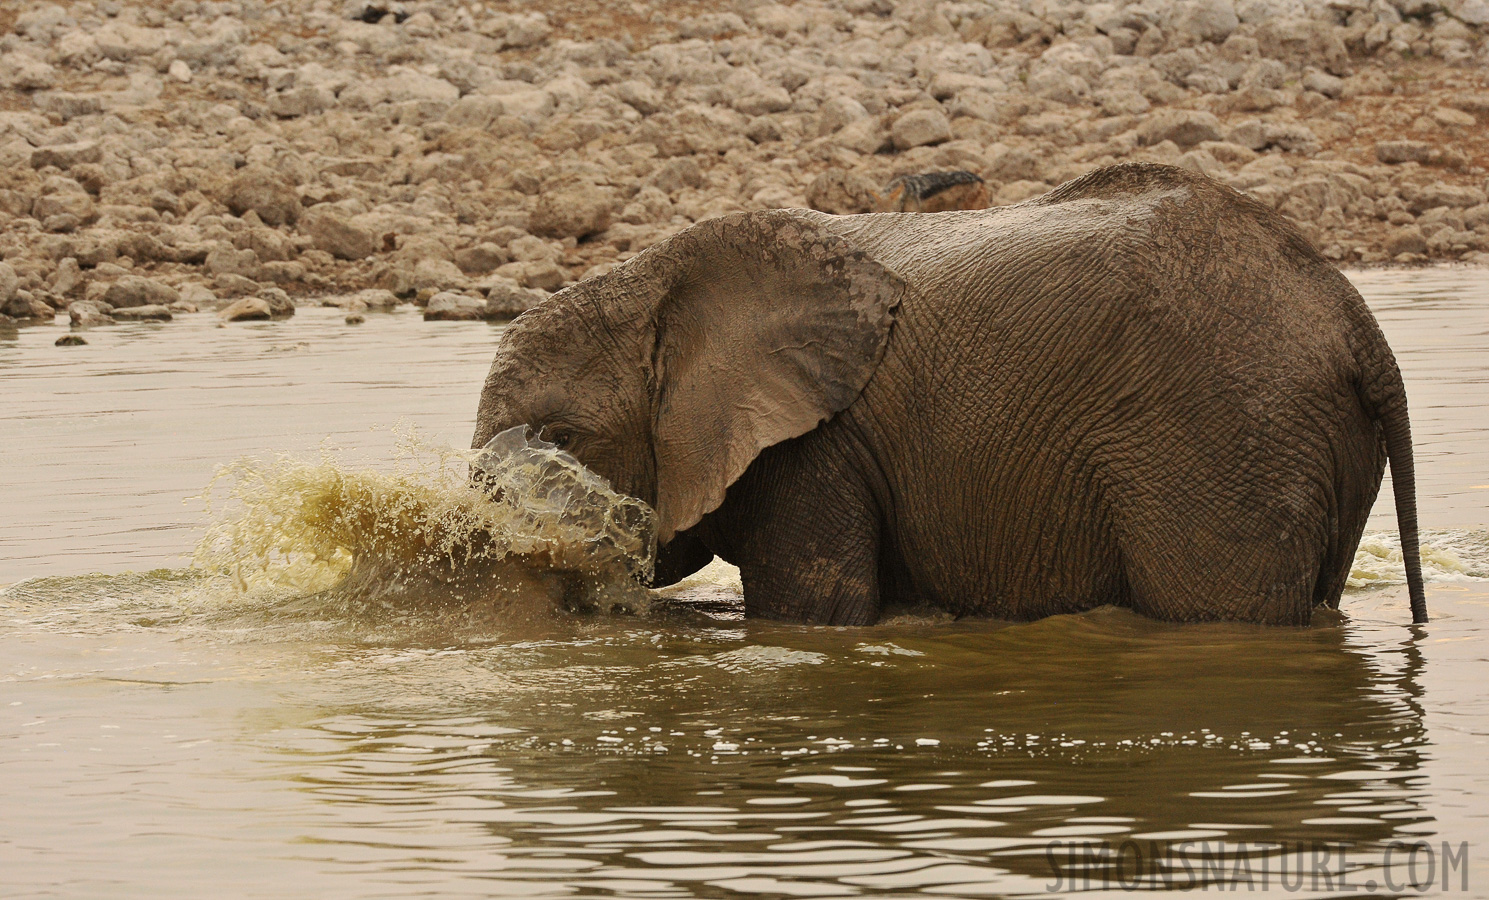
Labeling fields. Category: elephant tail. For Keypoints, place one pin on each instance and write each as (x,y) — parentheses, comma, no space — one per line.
(1396,425)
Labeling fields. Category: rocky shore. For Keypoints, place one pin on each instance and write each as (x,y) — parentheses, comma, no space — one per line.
(248,155)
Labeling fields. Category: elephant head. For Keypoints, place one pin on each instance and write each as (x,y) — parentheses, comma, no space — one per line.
(668,375)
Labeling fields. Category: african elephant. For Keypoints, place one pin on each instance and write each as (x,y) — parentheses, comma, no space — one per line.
(1142,389)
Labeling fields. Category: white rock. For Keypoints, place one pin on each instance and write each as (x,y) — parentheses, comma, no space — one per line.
(123,42)
(24,72)
(920,127)
(1208,20)
(838,112)
(180,71)
(1472,12)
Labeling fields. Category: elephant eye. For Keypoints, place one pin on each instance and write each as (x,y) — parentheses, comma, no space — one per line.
(559,437)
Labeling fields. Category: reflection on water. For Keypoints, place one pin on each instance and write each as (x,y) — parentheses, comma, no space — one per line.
(684,755)
(164,735)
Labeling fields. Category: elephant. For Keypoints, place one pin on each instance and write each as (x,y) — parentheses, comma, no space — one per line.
(1142,388)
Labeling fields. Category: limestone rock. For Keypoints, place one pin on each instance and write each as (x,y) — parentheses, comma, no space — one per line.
(920,127)
(89,313)
(481,258)
(1185,127)
(449,306)
(506,300)
(280,304)
(152,312)
(437,275)
(1206,20)
(1406,240)
(572,212)
(132,290)
(9,282)
(264,191)
(22,305)
(338,235)
(246,309)
(1392,152)
(65,156)
(841,192)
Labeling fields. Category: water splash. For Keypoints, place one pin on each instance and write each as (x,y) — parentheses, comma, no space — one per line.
(1446,556)
(532,522)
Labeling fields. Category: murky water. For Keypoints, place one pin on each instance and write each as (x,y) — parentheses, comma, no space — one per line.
(165,735)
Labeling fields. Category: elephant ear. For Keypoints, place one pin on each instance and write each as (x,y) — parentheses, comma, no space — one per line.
(769,326)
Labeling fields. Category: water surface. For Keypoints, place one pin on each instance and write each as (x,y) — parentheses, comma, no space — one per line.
(162,735)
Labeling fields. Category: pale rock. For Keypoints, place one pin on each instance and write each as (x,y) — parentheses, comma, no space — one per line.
(543,274)
(23,305)
(9,283)
(1441,194)
(865,136)
(1291,136)
(1393,152)
(517,30)
(640,95)
(758,99)
(1121,102)
(1004,163)
(336,234)
(980,105)
(1471,12)
(1251,134)
(1058,85)
(449,306)
(711,25)
(66,105)
(266,192)
(68,279)
(301,100)
(1303,41)
(376,298)
(1206,20)
(65,156)
(22,72)
(1201,162)
(121,41)
(179,71)
(1182,126)
(575,211)
(89,313)
(224,259)
(1408,239)
(152,312)
(246,309)
(696,128)
(838,112)
(1326,84)
(842,192)
(280,304)
(77,48)
(64,203)
(529,247)
(132,290)
(437,275)
(920,127)
(197,295)
(506,299)
(1452,118)
(778,20)
(1228,153)
(481,258)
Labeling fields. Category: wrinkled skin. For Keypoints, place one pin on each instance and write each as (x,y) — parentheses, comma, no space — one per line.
(1141,389)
